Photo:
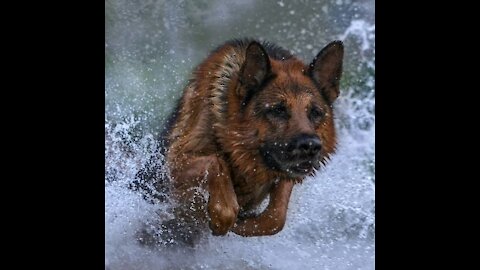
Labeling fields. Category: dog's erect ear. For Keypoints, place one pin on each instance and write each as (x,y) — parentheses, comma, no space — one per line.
(326,70)
(254,71)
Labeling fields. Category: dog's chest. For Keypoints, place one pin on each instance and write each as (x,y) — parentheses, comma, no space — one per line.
(251,195)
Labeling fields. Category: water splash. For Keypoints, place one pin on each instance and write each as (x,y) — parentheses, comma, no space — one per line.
(362,29)
(331,218)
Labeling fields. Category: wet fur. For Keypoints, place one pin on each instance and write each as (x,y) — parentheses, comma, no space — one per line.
(216,138)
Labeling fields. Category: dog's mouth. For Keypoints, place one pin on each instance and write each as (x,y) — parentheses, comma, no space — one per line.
(293,168)
(300,169)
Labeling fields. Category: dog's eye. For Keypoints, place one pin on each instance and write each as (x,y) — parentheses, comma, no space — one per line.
(316,114)
(277,111)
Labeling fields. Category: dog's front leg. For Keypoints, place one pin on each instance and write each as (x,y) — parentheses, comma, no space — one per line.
(214,175)
(272,220)
(222,204)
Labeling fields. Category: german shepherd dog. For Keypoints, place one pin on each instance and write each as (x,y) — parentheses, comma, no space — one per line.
(253,121)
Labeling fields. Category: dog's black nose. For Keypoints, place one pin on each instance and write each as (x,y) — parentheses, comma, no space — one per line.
(305,145)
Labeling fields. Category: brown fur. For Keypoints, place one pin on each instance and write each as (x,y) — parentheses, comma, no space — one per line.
(216,139)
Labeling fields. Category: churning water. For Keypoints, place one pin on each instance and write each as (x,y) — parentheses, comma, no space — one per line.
(331,217)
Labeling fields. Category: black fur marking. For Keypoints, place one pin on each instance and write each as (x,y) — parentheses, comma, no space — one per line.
(295,87)
(278,111)
(268,160)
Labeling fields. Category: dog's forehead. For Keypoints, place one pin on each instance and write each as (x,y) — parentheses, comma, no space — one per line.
(292,76)
(294,87)
(290,85)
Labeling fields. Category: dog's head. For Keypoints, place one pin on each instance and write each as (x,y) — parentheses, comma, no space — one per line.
(286,108)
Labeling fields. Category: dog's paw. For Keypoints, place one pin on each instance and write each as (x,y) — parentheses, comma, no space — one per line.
(222,216)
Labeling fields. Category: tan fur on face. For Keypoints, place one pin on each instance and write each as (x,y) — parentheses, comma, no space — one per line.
(243,134)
